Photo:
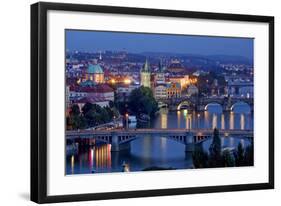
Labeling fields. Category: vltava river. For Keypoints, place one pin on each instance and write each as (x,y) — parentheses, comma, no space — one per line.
(158,151)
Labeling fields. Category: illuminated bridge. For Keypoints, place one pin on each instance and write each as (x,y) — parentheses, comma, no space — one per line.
(120,139)
(201,103)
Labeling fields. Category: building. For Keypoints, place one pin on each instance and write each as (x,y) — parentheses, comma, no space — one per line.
(192,90)
(200,73)
(173,90)
(241,88)
(145,75)
(97,91)
(246,91)
(175,67)
(67,95)
(160,75)
(160,91)
(94,73)
(93,100)
(123,91)
(184,81)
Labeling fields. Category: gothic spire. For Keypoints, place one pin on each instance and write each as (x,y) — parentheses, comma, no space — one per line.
(146,66)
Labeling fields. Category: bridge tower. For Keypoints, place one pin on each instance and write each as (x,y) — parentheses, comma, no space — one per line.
(189,142)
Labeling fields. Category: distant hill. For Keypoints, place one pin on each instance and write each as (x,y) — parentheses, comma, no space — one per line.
(204,62)
(231,59)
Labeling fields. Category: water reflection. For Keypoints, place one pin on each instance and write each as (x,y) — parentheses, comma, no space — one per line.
(158,151)
(215,121)
(231,120)
(206,120)
(72,164)
(222,122)
(242,121)
(178,118)
(100,158)
(164,119)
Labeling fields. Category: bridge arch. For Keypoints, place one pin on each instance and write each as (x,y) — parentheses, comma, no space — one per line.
(214,104)
(162,104)
(104,139)
(177,138)
(184,105)
(241,107)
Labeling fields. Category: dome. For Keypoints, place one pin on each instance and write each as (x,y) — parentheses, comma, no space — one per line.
(87,83)
(94,69)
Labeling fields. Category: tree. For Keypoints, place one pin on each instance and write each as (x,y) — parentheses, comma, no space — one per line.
(111,104)
(249,155)
(75,110)
(239,157)
(228,160)
(86,108)
(200,157)
(141,100)
(94,114)
(73,121)
(215,159)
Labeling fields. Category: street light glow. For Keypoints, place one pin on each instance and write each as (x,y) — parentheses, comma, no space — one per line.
(127,81)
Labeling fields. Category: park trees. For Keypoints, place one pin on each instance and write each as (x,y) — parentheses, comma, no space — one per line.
(90,115)
(141,100)
(215,159)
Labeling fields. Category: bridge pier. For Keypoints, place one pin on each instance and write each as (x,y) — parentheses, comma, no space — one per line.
(200,108)
(189,142)
(115,143)
(116,146)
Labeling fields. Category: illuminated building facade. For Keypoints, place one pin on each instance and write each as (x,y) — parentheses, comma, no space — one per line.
(175,67)
(192,90)
(145,75)
(94,73)
(173,90)
(184,81)
(160,75)
(160,91)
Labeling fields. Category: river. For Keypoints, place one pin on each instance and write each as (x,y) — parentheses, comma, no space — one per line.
(158,151)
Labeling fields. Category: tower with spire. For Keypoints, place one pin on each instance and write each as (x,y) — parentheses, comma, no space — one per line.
(160,76)
(145,75)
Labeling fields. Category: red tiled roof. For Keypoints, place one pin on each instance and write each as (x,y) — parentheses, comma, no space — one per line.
(99,88)
(90,100)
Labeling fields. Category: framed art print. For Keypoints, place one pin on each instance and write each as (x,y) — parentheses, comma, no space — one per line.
(134,102)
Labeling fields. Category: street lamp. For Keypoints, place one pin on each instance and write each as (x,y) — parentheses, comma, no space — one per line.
(198,120)
(189,121)
(127,119)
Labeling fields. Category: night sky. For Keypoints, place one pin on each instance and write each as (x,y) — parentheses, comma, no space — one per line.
(139,42)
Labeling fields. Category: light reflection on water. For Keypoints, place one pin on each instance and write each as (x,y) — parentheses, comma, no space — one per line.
(158,151)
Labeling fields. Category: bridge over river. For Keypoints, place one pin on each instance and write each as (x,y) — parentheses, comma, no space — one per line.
(120,138)
(201,103)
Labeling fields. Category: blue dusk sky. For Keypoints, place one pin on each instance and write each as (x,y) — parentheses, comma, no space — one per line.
(140,42)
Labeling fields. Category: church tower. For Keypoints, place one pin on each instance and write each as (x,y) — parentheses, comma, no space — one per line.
(145,75)
(160,76)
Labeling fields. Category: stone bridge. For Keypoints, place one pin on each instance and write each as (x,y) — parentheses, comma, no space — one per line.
(201,103)
(120,139)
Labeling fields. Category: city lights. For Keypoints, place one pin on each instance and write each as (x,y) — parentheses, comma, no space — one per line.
(127,81)
(136,111)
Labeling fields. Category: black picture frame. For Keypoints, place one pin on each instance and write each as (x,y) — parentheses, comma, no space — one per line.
(39,101)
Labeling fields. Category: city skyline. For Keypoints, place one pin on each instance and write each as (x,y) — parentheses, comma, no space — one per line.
(93,41)
(129,112)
